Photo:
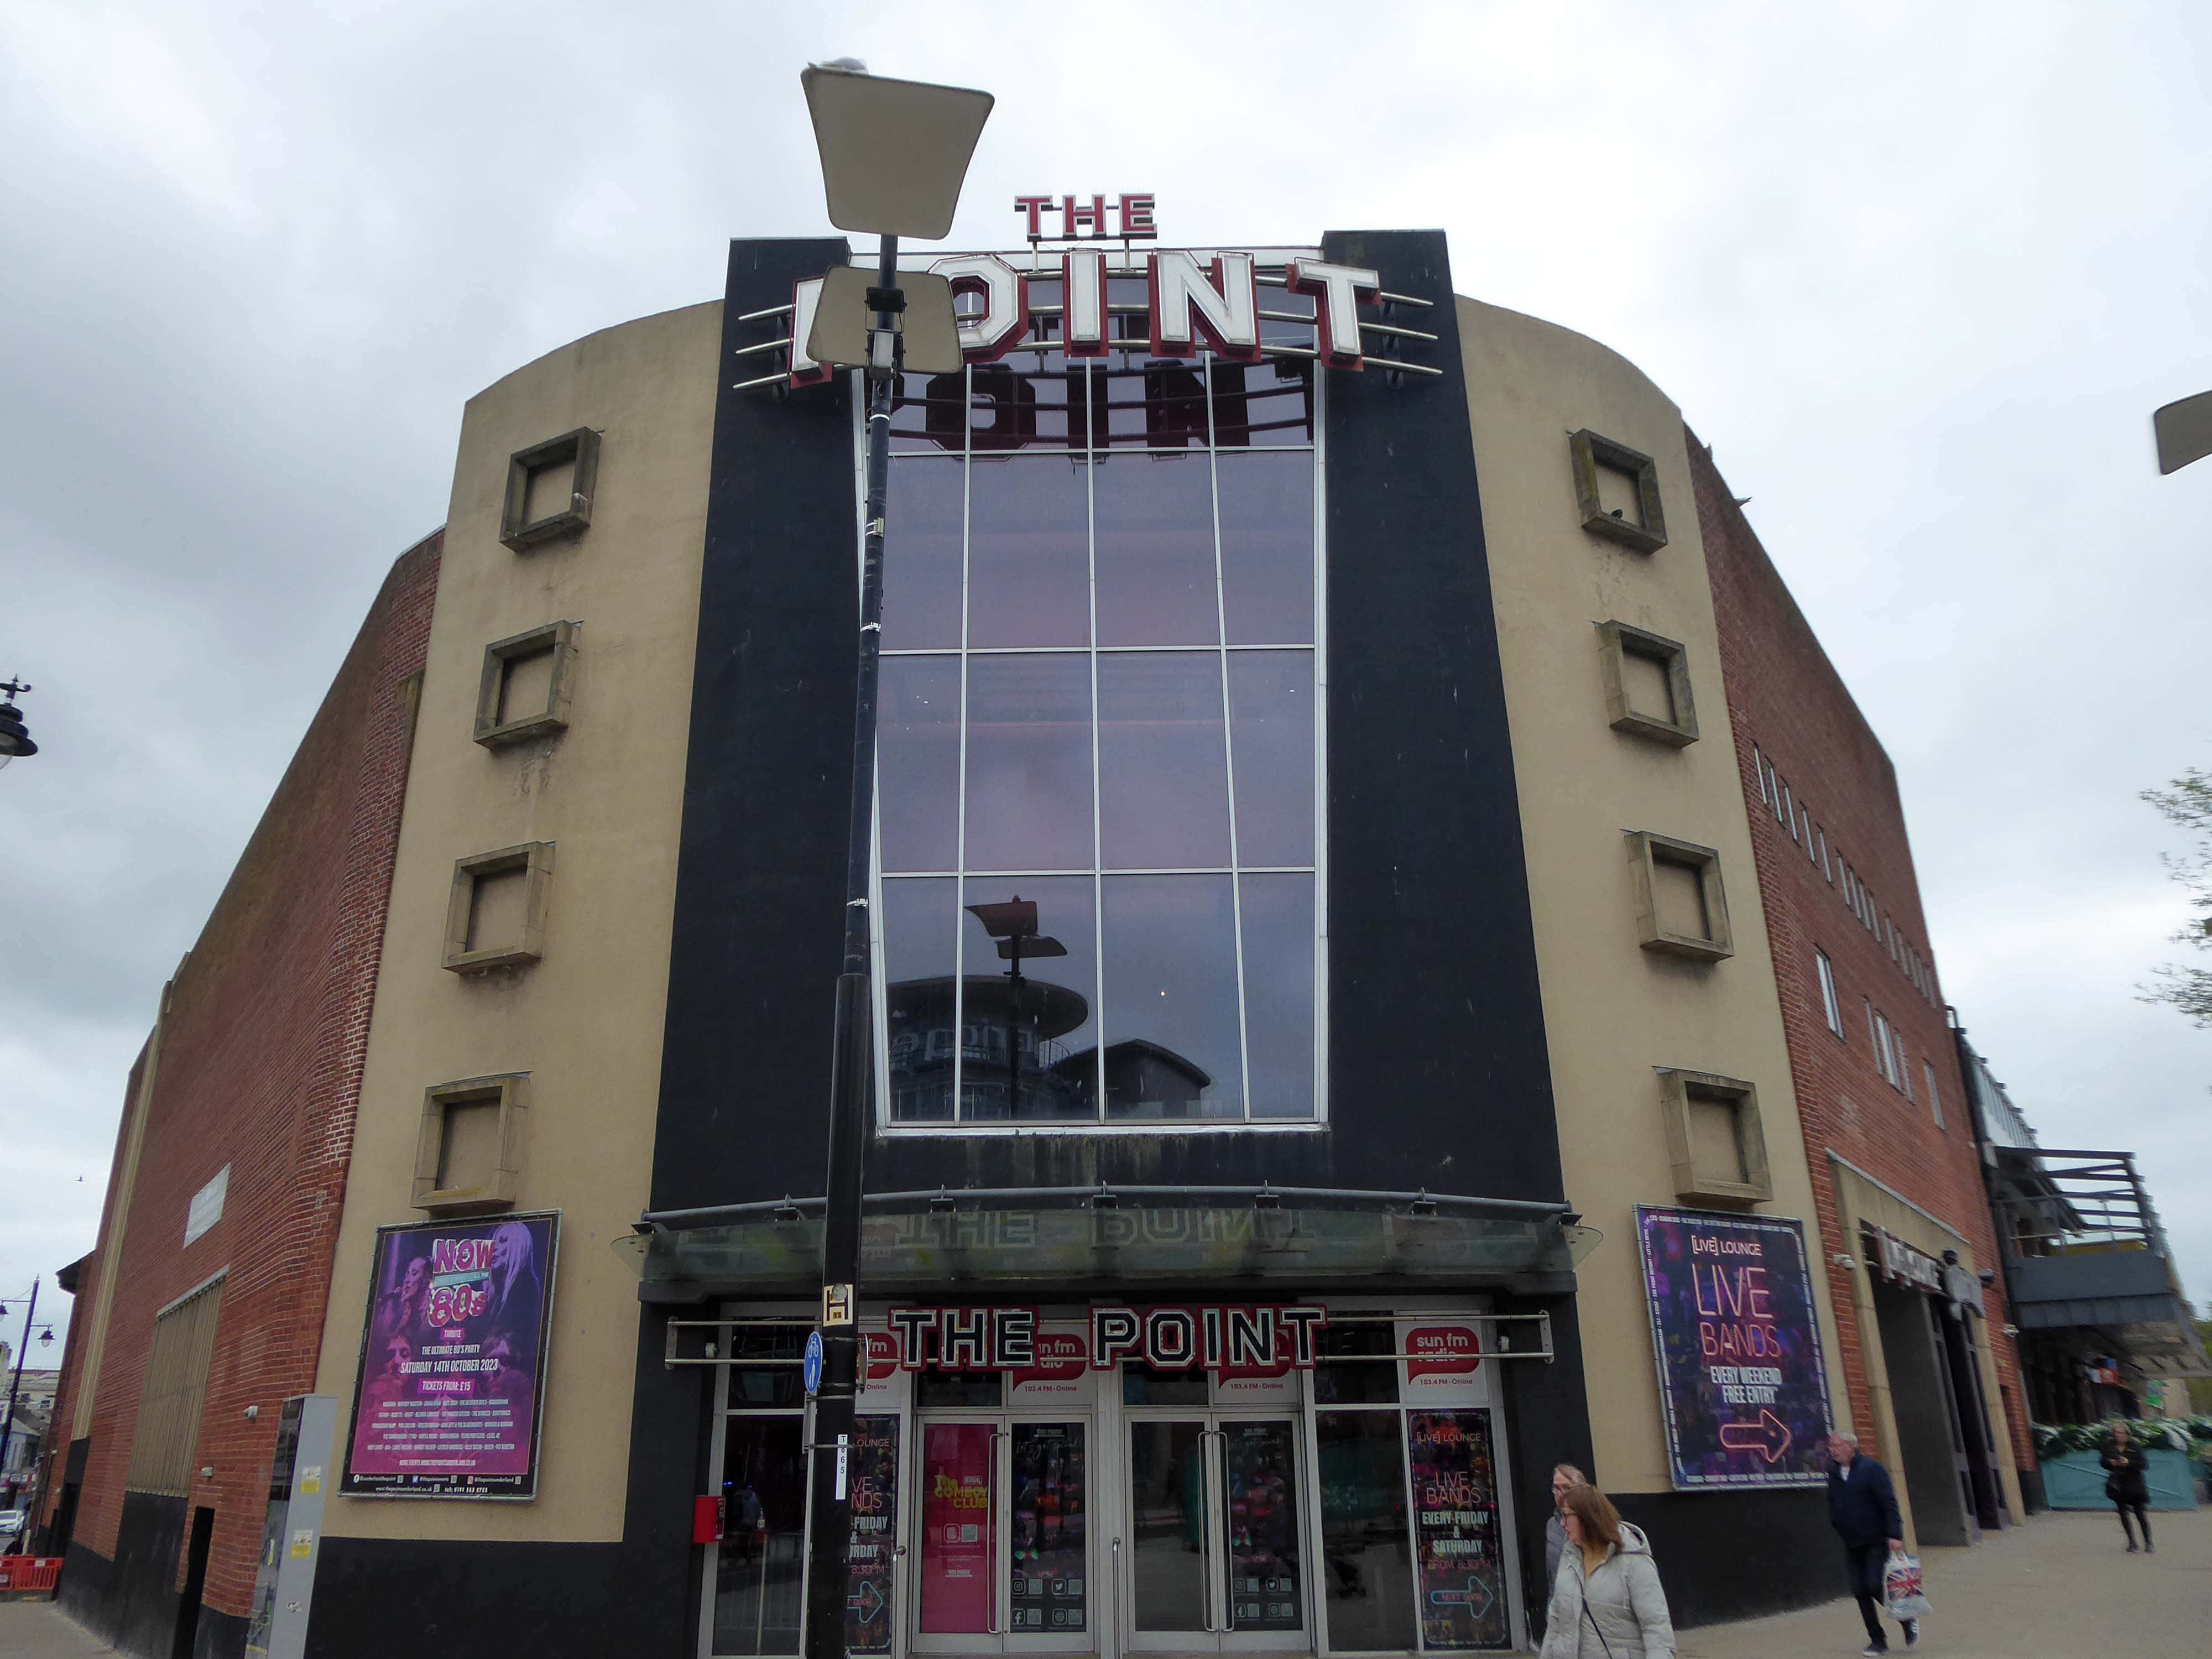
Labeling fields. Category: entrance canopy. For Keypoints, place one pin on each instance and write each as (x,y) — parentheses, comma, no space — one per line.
(1072,1241)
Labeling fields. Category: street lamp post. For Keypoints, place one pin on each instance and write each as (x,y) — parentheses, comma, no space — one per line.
(16,1386)
(894,153)
(14,737)
(1013,924)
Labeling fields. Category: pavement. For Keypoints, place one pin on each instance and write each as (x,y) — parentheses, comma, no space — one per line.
(2059,1586)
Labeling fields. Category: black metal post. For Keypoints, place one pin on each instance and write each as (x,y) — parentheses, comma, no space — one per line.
(1014,1032)
(829,1526)
(8,1424)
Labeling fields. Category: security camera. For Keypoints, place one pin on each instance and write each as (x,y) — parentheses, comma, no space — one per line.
(1850,1264)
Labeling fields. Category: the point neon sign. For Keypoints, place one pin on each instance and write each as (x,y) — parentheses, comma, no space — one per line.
(1194,307)
(1208,1337)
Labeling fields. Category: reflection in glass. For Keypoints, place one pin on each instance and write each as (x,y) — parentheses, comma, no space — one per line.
(1049,1478)
(918,763)
(1263,404)
(921,556)
(1155,527)
(1167,1497)
(919,932)
(1029,763)
(1171,980)
(1260,1481)
(1163,774)
(760,1569)
(1278,992)
(1029,552)
(1030,1052)
(1267,548)
(1271,702)
(1367,1564)
(927,413)
(1148,1385)
(1365,1380)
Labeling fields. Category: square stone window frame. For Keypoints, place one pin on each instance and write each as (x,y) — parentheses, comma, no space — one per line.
(1647,848)
(1589,451)
(1619,639)
(510,1090)
(581,447)
(535,858)
(558,637)
(1677,1088)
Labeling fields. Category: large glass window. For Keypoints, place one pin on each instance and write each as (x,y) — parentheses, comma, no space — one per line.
(1100,695)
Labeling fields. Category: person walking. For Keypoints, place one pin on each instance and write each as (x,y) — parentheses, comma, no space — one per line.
(1862,1508)
(1565,1477)
(1606,1602)
(2127,1487)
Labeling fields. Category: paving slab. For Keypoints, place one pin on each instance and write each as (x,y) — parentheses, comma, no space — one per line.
(2057,1586)
(38,1629)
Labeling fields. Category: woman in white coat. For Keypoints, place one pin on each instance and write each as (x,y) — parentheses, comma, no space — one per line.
(1605,1602)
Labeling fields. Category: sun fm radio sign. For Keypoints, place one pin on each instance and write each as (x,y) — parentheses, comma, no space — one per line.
(1743,1384)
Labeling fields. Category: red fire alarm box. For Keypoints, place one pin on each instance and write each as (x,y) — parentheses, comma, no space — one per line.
(705,1520)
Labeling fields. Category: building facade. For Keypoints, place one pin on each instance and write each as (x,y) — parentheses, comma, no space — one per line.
(1911,1256)
(1329,1062)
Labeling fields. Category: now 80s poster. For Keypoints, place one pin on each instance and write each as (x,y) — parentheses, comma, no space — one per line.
(448,1401)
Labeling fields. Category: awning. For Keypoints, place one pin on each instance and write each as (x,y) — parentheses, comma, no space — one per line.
(1074,1242)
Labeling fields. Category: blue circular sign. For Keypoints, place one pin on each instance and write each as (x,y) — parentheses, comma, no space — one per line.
(811,1368)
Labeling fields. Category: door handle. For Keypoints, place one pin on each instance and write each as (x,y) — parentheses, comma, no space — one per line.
(991,1626)
(1117,1603)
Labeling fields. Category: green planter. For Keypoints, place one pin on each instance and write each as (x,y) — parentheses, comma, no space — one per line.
(2077,1481)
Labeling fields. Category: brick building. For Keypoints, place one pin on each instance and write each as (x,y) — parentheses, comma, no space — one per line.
(205,1299)
(1888,1134)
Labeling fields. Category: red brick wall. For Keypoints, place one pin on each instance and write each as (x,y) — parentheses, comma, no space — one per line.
(1791,709)
(259,1067)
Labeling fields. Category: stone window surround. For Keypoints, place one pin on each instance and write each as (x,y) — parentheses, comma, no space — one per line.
(1617,639)
(581,447)
(510,1090)
(1589,451)
(558,637)
(535,858)
(1647,848)
(1678,1088)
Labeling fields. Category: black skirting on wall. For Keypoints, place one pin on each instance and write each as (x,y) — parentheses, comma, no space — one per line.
(1739,1554)
(131,1602)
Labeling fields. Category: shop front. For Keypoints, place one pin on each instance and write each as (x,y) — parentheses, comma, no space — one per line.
(1201,1478)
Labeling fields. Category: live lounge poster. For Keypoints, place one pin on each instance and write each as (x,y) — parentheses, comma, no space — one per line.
(447,1402)
(1742,1387)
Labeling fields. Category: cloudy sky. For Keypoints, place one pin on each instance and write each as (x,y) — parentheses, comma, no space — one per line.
(1919,276)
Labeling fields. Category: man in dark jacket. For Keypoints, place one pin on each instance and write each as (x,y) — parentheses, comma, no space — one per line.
(1862,1508)
(2126,1485)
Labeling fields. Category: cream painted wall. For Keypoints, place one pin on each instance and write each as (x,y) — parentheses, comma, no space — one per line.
(585,1021)
(1613,1011)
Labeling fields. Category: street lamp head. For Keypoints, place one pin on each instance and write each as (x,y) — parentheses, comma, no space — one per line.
(15,736)
(1030,949)
(1014,918)
(894,153)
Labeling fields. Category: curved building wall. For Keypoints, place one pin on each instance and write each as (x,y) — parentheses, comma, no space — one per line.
(1615,1012)
(584,1021)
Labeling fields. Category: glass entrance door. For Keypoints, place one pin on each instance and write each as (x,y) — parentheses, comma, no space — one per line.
(1216,1559)
(1004,1536)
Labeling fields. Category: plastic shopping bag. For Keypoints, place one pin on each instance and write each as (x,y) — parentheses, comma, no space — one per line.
(1901,1587)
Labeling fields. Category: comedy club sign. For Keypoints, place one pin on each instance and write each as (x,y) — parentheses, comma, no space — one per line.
(1222,1338)
(1195,304)
(1742,1385)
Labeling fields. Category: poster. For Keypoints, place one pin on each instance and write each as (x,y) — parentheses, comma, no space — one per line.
(956,1542)
(1457,1555)
(868,1598)
(1742,1387)
(453,1363)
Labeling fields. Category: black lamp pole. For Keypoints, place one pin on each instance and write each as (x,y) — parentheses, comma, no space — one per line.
(829,1526)
(8,1425)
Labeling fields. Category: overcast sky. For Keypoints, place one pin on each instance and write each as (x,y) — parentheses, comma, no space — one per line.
(1919,273)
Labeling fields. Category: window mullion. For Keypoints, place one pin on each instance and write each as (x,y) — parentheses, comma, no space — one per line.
(1098,845)
(960,830)
(1228,745)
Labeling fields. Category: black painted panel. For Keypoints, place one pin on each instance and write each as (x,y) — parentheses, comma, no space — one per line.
(222,1636)
(1739,1555)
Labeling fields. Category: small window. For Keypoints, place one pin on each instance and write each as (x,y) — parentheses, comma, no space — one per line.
(1759,771)
(1875,1044)
(549,490)
(496,917)
(524,691)
(468,1155)
(1829,1003)
(1935,1100)
(1617,492)
(1903,1064)
(1681,907)
(1885,1057)
(1647,684)
(1826,871)
(1714,1139)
